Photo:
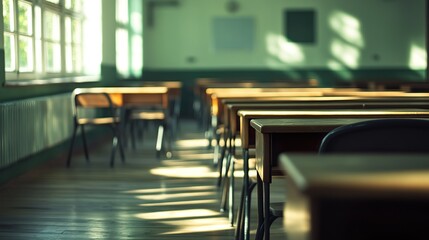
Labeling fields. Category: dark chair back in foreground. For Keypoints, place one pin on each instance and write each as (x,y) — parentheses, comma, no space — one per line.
(379,136)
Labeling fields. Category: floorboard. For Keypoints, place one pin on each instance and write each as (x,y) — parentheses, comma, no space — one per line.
(143,198)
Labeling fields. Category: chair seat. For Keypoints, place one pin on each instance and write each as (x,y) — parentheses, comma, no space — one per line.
(148,115)
(97,121)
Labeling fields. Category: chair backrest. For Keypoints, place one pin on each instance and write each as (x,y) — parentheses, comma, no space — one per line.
(92,101)
(379,136)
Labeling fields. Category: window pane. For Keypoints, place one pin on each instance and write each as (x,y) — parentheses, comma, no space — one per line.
(122,11)
(77,58)
(25,51)
(52,26)
(77,31)
(73,58)
(69,58)
(122,47)
(75,5)
(68,30)
(9,52)
(53,57)
(25,18)
(54,1)
(8,15)
(137,56)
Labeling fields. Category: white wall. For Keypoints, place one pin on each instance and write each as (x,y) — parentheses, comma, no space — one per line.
(374,33)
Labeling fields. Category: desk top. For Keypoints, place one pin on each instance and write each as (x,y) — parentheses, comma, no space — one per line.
(123,90)
(302,124)
(214,90)
(358,175)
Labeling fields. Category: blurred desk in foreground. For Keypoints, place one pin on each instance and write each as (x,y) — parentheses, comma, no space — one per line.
(337,197)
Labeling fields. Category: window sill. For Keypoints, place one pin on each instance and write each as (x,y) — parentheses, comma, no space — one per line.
(59,80)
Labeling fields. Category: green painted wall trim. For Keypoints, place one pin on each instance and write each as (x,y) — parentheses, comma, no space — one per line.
(325,76)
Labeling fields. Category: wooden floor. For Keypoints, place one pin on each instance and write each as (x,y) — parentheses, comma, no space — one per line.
(144,198)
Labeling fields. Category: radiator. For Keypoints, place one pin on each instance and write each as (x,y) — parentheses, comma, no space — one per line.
(31,125)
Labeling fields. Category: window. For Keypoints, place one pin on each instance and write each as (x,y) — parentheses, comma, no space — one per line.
(44,38)
(129,40)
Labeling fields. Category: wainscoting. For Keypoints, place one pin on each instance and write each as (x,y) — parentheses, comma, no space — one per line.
(30,125)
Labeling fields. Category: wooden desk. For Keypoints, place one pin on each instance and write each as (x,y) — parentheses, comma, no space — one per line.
(337,197)
(232,120)
(131,96)
(274,136)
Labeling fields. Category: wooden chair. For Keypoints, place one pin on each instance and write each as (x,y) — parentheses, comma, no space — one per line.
(379,136)
(95,109)
(150,107)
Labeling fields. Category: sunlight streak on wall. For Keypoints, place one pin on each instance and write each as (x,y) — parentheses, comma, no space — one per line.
(347,27)
(339,69)
(347,45)
(283,51)
(346,53)
(418,57)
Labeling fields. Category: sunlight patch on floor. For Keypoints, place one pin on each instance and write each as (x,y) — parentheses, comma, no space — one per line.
(163,196)
(199,225)
(185,172)
(192,143)
(179,203)
(175,214)
(171,189)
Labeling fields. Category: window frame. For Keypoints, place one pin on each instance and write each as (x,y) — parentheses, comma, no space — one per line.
(40,74)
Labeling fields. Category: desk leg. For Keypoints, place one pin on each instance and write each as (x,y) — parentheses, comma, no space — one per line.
(219,161)
(231,193)
(246,196)
(267,213)
(260,228)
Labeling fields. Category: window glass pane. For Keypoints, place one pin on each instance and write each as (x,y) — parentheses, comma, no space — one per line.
(75,5)
(77,31)
(8,14)
(25,23)
(77,58)
(9,52)
(54,1)
(68,30)
(69,58)
(53,57)
(73,58)
(122,11)
(25,51)
(122,51)
(52,26)
(137,59)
